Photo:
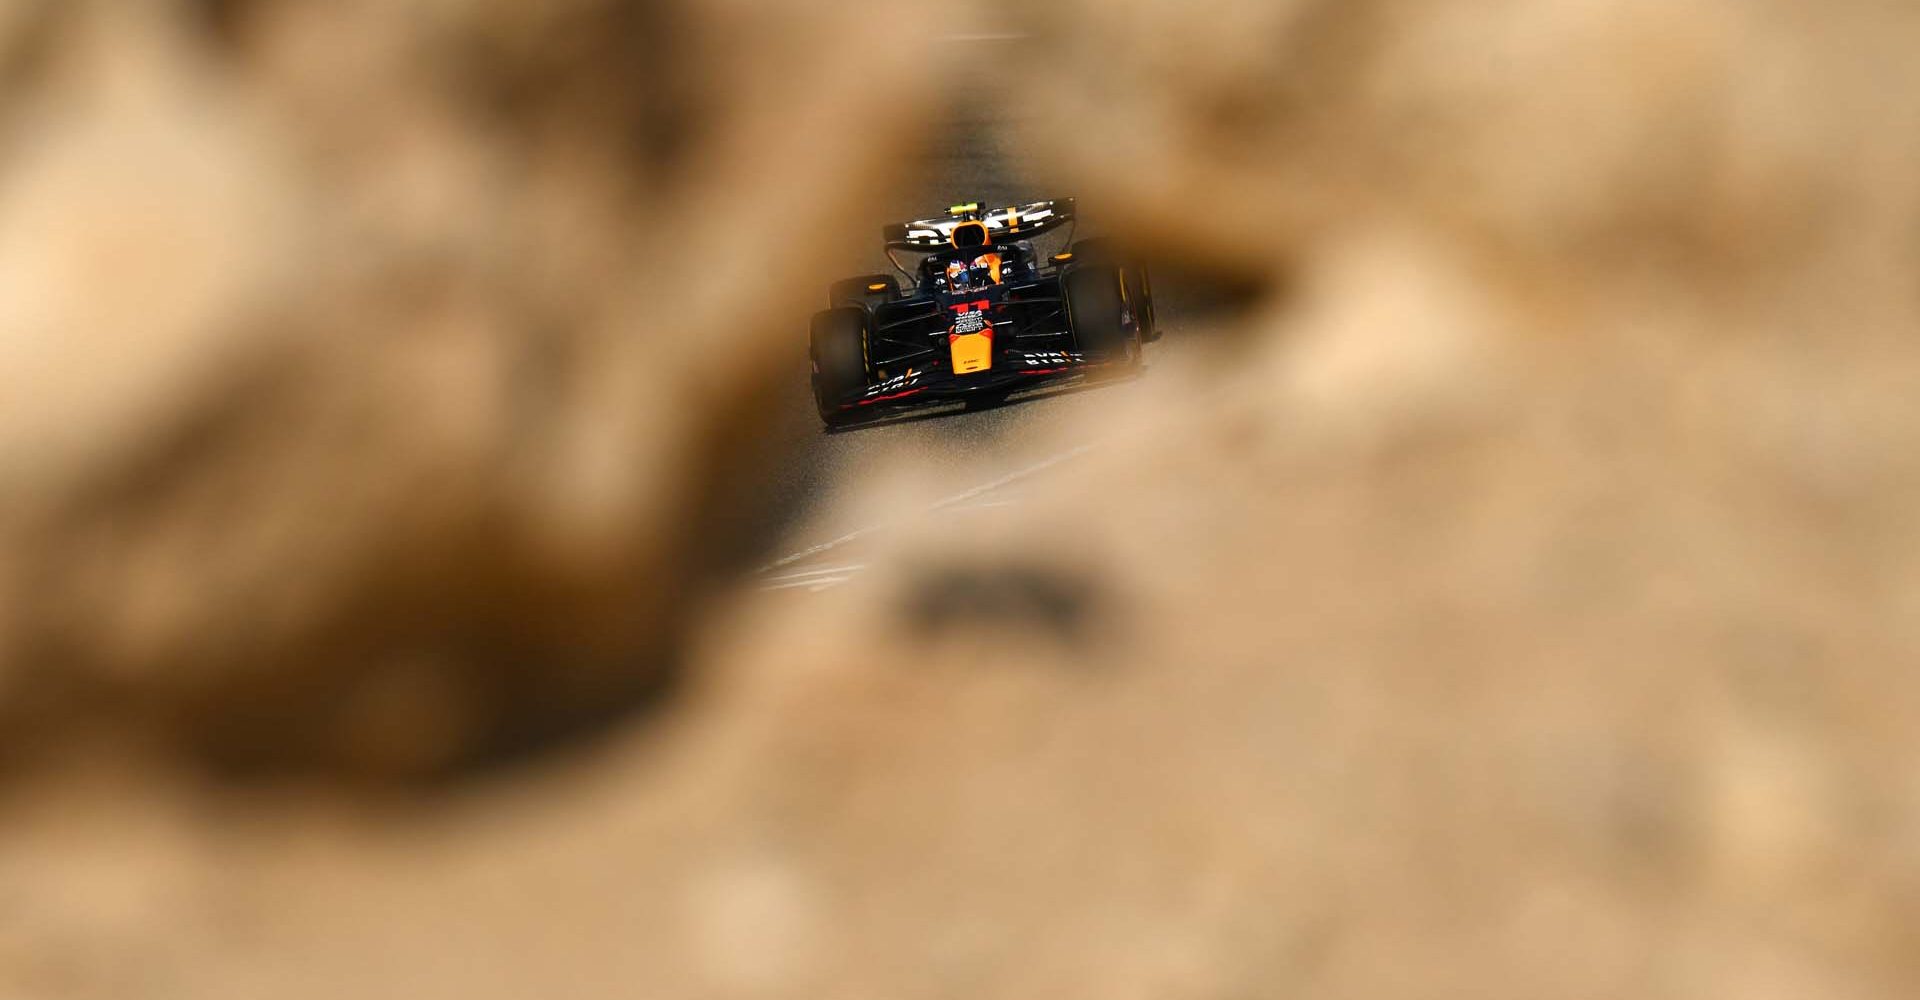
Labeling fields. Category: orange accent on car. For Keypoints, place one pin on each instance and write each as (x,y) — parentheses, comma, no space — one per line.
(972,352)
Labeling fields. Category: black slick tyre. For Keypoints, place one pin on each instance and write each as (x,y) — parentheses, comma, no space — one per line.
(1140,290)
(837,343)
(1094,315)
(1136,283)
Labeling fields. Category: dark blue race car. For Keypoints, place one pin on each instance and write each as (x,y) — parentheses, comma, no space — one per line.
(986,315)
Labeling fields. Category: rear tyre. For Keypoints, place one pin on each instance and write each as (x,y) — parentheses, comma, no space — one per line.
(838,345)
(862,291)
(1094,315)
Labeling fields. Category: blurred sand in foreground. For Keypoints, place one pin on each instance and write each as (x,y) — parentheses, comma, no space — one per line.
(1518,602)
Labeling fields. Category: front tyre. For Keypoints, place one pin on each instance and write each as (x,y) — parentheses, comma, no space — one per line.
(1145,319)
(1095,315)
(1136,285)
(838,346)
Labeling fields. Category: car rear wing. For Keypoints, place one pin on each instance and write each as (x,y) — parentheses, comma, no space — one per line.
(1013,222)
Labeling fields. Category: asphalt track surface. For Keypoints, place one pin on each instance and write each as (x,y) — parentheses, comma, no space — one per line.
(976,156)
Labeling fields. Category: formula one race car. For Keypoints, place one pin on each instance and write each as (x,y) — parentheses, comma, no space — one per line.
(986,316)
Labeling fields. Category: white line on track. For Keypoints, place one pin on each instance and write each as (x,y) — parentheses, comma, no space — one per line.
(824,571)
(989,505)
(820,579)
(1012,477)
(813,585)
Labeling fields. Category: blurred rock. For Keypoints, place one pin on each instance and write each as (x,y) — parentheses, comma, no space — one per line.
(373,363)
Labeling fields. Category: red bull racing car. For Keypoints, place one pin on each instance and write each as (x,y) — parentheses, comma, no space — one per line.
(985,316)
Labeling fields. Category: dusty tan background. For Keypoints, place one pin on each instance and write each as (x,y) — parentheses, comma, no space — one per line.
(1523,608)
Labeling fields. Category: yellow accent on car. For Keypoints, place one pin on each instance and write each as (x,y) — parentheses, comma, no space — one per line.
(969,207)
(878,286)
(1062,258)
(972,352)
